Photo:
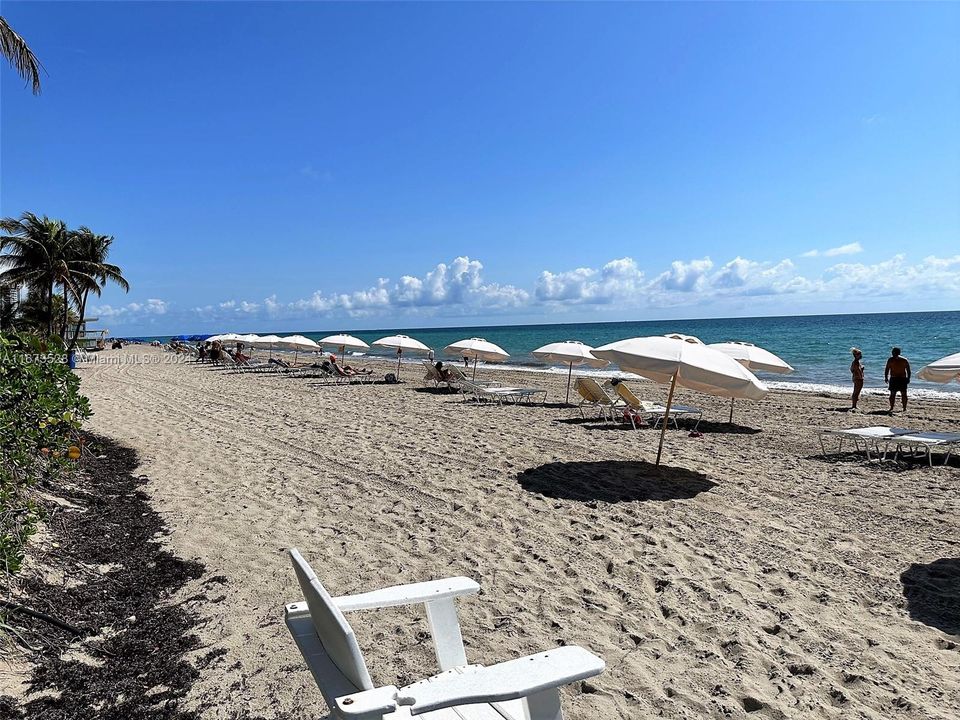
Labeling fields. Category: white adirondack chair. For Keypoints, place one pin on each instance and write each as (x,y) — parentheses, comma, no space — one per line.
(522,689)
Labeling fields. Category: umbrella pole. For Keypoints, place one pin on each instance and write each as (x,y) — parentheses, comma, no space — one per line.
(569,376)
(732,400)
(399,356)
(666,415)
(475,368)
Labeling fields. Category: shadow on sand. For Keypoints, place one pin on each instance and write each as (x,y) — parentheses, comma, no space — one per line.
(613,481)
(933,594)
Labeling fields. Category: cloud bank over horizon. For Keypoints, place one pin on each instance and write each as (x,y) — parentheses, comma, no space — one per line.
(458,290)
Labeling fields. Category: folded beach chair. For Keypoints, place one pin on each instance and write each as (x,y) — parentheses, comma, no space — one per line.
(521,689)
(654,411)
(592,395)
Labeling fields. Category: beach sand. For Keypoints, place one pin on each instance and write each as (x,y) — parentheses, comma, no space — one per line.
(750,577)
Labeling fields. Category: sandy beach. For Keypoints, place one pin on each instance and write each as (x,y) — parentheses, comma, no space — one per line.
(750,577)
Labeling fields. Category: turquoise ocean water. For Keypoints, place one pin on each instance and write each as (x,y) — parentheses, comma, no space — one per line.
(817,346)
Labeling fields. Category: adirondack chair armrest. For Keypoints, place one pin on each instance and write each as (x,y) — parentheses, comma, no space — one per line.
(509,680)
(422,592)
(369,704)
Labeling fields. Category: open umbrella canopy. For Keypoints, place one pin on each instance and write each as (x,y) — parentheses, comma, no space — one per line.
(264,341)
(695,366)
(298,342)
(401,342)
(685,338)
(943,370)
(344,341)
(478,349)
(753,357)
(228,337)
(569,352)
(681,362)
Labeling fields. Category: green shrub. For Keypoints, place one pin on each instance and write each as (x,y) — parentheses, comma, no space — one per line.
(41,411)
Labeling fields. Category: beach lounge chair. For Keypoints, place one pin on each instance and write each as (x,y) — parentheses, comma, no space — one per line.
(654,411)
(867,437)
(880,438)
(592,395)
(341,374)
(521,689)
(434,376)
(431,375)
(499,394)
(924,443)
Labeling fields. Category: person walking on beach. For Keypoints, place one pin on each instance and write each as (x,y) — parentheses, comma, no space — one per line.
(856,370)
(897,375)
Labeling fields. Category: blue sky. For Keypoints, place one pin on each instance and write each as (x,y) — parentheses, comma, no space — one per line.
(317,165)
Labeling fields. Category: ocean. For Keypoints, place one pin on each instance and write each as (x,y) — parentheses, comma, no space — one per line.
(817,346)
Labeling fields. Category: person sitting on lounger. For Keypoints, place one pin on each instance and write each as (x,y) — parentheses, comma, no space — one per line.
(279,361)
(347,370)
(897,374)
(444,375)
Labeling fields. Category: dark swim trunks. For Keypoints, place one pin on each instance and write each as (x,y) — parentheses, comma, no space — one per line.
(898,384)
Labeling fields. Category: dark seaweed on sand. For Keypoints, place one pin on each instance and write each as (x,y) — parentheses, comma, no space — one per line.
(131,664)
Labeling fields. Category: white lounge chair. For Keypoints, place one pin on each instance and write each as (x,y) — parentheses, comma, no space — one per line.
(499,394)
(866,437)
(521,689)
(924,442)
(655,411)
(592,395)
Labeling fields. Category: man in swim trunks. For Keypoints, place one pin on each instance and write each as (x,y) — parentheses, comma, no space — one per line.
(897,375)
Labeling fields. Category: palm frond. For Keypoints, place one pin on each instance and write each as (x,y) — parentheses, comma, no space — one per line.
(15,49)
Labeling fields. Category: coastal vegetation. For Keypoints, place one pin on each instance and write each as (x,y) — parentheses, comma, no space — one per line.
(47,274)
(41,411)
(58,268)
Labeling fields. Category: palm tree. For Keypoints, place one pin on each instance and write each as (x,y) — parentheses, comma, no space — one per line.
(94,272)
(40,256)
(15,49)
(9,300)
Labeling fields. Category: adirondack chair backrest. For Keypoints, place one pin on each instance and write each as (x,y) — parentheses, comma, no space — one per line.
(589,390)
(627,395)
(332,627)
(455,372)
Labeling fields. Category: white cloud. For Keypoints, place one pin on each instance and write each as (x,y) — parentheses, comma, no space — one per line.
(848,249)
(617,279)
(459,288)
(685,276)
(130,311)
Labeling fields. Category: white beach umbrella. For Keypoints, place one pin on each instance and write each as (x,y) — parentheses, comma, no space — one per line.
(478,349)
(400,343)
(263,342)
(944,370)
(685,338)
(692,365)
(298,343)
(224,338)
(569,352)
(753,358)
(344,341)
